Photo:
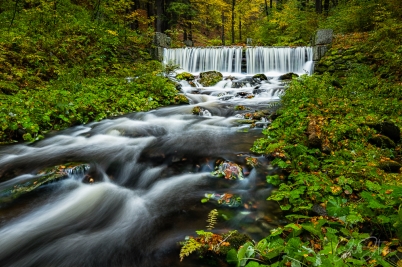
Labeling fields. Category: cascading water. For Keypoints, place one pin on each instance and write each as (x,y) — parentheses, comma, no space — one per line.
(223,59)
(139,191)
(280,59)
(229,59)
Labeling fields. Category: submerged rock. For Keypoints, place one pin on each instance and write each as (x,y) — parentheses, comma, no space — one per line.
(210,78)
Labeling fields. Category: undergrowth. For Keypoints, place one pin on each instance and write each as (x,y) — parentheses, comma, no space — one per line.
(338,191)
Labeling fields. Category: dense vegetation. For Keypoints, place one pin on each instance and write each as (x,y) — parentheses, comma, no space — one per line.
(61,64)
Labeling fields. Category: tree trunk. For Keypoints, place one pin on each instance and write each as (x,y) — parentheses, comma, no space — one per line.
(233,21)
(159,15)
(266,7)
(96,13)
(240,38)
(326,6)
(270,3)
(185,35)
(15,12)
(223,27)
(55,12)
(318,6)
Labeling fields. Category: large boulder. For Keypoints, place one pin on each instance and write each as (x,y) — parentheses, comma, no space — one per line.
(210,78)
(388,129)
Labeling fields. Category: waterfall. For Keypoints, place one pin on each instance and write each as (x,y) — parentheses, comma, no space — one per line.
(280,59)
(229,59)
(223,59)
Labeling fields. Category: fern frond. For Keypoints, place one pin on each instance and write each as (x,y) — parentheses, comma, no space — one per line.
(212,217)
(189,247)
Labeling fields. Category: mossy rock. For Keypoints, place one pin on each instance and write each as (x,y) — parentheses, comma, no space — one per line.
(196,110)
(388,129)
(261,114)
(260,77)
(390,166)
(382,141)
(8,88)
(245,121)
(14,191)
(210,78)
(229,170)
(288,76)
(240,107)
(181,99)
(185,76)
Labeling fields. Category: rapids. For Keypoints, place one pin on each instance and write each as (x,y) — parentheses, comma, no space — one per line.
(150,171)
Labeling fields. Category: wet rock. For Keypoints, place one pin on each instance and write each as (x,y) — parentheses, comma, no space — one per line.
(201,112)
(288,76)
(181,99)
(229,170)
(185,76)
(226,199)
(258,115)
(244,82)
(240,107)
(242,94)
(196,110)
(388,129)
(382,141)
(246,121)
(259,77)
(15,190)
(390,166)
(210,78)
(231,78)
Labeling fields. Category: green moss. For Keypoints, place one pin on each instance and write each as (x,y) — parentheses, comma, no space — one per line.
(185,76)
(210,78)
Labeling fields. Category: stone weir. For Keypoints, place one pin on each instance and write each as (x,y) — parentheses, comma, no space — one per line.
(248,60)
(238,59)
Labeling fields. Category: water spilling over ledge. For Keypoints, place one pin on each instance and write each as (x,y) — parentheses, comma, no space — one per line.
(250,60)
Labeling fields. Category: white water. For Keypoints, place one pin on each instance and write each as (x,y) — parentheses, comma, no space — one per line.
(282,59)
(272,61)
(223,59)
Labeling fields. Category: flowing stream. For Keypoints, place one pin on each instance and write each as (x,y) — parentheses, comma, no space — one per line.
(140,192)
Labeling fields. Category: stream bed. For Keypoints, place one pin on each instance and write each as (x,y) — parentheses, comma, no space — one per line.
(144,178)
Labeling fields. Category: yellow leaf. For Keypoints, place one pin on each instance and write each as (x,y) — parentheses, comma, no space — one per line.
(385,251)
